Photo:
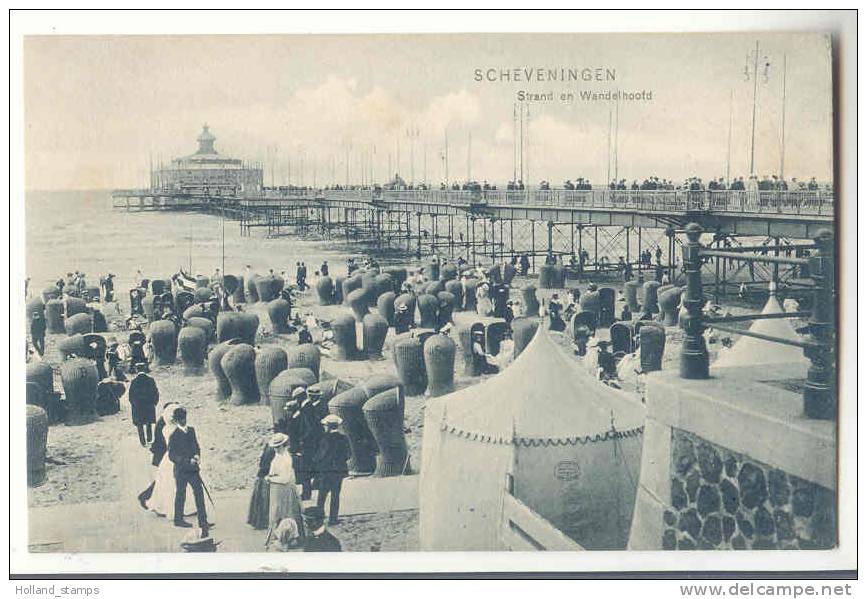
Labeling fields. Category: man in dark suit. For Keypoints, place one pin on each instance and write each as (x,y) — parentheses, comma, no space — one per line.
(330,466)
(144,397)
(185,454)
(311,434)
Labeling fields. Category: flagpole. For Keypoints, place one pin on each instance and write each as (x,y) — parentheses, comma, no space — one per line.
(753,127)
(783,127)
(729,150)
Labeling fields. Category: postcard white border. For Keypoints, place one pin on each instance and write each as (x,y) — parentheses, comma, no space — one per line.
(842,25)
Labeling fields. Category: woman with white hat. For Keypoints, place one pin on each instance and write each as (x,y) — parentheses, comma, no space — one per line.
(283,493)
(259,512)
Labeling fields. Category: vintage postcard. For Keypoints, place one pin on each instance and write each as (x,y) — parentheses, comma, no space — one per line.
(566,294)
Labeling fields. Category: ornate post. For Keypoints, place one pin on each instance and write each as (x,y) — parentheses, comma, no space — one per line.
(694,360)
(820,398)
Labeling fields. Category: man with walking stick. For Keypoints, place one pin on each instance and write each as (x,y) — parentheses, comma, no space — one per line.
(185,454)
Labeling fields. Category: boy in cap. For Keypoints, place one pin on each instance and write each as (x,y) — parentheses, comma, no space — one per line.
(318,537)
(330,465)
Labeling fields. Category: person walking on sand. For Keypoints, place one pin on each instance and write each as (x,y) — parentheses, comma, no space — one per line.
(158,450)
(330,466)
(144,397)
(185,455)
(37,332)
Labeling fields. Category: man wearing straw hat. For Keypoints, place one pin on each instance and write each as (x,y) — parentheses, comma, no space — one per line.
(330,465)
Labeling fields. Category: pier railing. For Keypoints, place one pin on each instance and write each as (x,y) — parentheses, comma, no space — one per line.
(807,203)
(813,203)
(820,399)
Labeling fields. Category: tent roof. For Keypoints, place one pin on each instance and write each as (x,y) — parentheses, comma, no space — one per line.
(749,351)
(544,394)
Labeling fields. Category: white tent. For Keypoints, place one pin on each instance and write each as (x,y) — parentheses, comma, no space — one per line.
(571,444)
(750,351)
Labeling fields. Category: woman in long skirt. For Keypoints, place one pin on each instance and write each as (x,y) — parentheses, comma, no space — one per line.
(283,493)
(258,514)
(162,500)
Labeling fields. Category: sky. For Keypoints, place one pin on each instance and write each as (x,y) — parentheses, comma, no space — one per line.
(323,109)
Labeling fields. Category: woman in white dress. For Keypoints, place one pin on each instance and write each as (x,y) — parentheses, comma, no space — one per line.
(162,501)
(283,493)
(484,306)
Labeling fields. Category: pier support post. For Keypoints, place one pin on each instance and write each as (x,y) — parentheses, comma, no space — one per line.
(550,237)
(694,359)
(820,398)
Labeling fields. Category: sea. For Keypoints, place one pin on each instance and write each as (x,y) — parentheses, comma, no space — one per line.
(67,231)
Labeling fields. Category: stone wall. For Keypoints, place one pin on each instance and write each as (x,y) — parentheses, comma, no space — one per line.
(721,499)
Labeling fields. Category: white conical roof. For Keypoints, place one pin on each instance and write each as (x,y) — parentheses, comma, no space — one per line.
(749,351)
(543,394)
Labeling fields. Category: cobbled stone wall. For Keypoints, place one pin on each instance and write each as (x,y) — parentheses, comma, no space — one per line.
(725,500)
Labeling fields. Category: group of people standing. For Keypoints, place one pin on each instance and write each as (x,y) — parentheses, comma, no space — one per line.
(308,452)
